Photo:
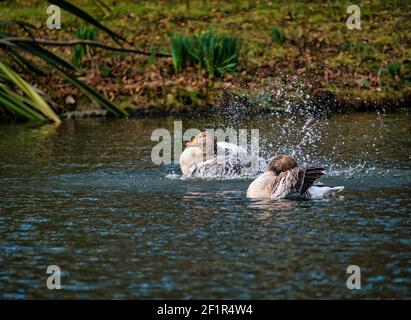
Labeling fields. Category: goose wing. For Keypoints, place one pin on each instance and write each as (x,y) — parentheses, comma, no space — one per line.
(217,167)
(294,182)
(284,184)
(306,178)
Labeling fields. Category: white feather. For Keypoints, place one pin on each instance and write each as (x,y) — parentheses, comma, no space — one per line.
(320,192)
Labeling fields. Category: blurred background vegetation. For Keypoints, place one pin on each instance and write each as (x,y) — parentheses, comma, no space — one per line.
(184,55)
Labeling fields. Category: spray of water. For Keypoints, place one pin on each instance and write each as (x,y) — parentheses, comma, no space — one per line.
(291,122)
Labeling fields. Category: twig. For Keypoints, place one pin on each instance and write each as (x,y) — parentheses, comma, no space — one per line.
(75,42)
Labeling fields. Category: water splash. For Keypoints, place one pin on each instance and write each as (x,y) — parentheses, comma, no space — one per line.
(300,127)
(359,170)
(292,121)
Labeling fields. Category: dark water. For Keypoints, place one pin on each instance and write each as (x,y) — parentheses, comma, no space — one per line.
(85,196)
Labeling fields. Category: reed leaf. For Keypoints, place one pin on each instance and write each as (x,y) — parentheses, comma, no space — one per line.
(24,63)
(88,18)
(92,94)
(63,67)
(38,102)
(46,55)
(14,95)
(23,25)
(15,105)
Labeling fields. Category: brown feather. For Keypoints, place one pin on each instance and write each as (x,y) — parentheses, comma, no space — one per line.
(294,181)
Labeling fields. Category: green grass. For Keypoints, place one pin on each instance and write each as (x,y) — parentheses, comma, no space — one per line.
(29,103)
(79,51)
(277,35)
(25,55)
(314,37)
(217,54)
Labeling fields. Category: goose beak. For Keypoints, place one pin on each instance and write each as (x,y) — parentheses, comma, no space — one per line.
(189,143)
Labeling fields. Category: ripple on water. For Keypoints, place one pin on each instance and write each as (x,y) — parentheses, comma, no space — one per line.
(82,197)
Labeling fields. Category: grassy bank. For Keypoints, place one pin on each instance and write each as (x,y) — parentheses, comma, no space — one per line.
(288,51)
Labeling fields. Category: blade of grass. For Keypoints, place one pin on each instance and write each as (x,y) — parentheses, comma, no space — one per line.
(23,25)
(92,94)
(18,107)
(24,63)
(38,101)
(86,17)
(14,95)
(60,65)
(36,50)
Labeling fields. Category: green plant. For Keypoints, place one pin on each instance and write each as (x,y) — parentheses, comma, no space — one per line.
(277,36)
(26,104)
(23,54)
(152,57)
(105,71)
(407,72)
(393,69)
(178,52)
(88,18)
(217,54)
(79,51)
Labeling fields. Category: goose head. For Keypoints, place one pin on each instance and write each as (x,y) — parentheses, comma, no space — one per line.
(202,139)
(205,141)
(281,163)
(199,149)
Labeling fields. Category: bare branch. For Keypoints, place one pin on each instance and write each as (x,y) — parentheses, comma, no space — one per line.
(75,42)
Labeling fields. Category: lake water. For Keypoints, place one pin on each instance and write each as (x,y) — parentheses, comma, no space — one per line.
(86,196)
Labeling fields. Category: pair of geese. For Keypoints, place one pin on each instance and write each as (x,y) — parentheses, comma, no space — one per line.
(282,177)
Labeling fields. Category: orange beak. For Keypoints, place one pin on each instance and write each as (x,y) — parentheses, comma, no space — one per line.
(189,143)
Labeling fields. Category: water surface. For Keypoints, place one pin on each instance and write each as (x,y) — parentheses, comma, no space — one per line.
(86,196)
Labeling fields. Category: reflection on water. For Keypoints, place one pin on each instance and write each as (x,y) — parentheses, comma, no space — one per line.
(86,196)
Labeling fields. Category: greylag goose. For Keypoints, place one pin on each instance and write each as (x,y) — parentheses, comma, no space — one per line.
(284,179)
(202,158)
